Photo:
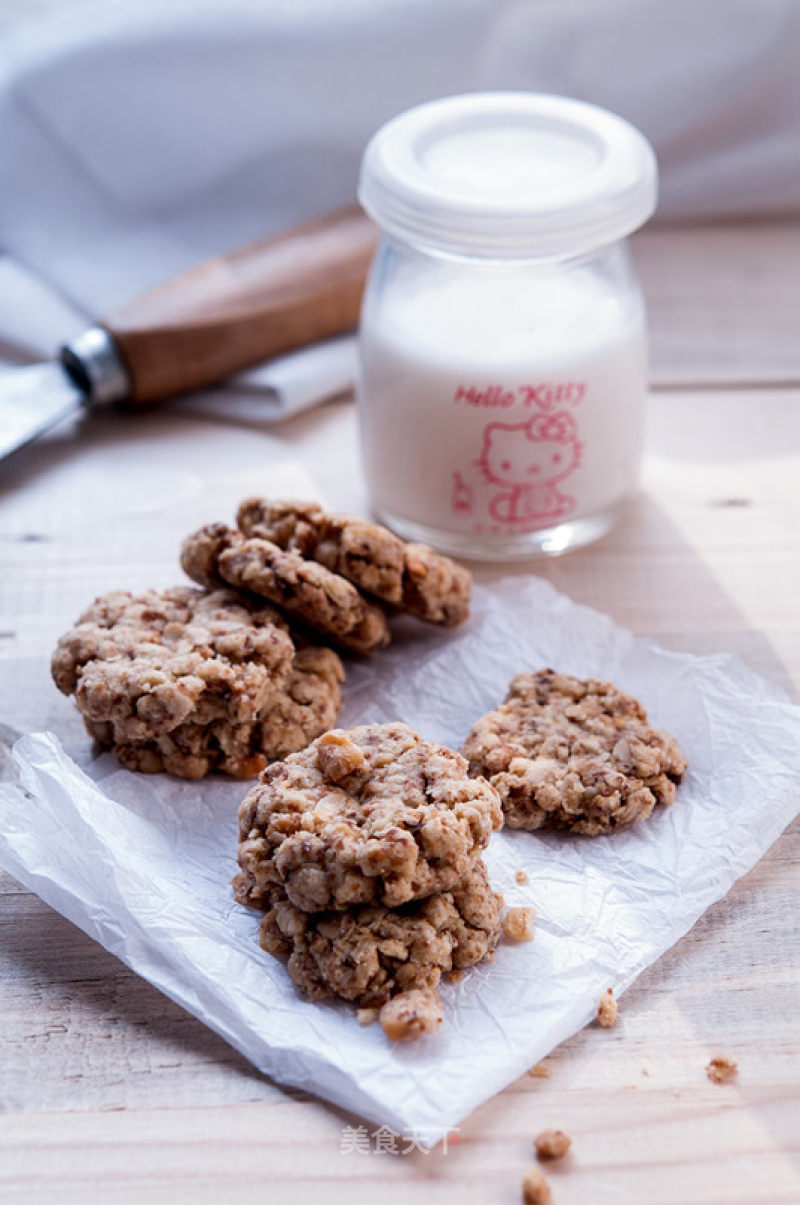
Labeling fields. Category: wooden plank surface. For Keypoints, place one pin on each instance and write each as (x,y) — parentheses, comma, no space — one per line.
(724,302)
(111,1093)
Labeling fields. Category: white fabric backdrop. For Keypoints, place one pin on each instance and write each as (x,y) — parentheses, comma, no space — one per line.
(139,137)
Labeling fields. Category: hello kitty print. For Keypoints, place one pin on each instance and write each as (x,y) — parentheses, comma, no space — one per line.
(528,461)
(523,467)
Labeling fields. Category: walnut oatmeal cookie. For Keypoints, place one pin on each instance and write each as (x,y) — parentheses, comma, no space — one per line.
(371,815)
(575,755)
(370,954)
(410,576)
(145,664)
(190,681)
(324,600)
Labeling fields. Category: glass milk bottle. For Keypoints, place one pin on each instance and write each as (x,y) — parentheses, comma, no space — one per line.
(502,343)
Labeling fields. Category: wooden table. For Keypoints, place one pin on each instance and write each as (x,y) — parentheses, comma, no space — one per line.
(111,1093)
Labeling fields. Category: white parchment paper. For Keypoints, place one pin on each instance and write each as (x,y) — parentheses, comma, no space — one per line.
(142,863)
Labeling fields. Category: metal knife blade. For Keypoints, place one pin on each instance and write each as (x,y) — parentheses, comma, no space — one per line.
(32,400)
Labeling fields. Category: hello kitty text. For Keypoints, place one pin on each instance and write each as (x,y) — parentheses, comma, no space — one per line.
(546,395)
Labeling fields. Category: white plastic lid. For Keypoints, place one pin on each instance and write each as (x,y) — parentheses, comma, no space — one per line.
(509,175)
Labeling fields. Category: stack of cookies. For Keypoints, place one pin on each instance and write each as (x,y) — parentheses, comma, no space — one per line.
(332,574)
(238,672)
(363,851)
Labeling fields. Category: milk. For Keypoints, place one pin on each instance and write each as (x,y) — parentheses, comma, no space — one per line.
(500,402)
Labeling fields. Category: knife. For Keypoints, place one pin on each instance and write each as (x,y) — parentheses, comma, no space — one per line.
(194,330)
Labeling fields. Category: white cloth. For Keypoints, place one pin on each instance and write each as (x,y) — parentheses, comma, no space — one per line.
(139,138)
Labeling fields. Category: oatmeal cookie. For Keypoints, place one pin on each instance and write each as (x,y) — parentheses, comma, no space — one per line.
(370,954)
(371,815)
(304,707)
(575,755)
(324,600)
(410,576)
(140,666)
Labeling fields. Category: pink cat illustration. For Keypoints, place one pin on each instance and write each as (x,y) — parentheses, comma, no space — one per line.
(529,460)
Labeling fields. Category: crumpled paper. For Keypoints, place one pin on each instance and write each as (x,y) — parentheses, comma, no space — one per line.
(142,864)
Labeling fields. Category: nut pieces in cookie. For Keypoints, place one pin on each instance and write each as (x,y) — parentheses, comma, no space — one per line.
(578,755)
(323,600)
(190,681)
(371,815)
(369,954)
(145,664)
(410,576)
(304,706)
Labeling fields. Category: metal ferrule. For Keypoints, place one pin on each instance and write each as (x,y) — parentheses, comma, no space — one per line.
(95,365)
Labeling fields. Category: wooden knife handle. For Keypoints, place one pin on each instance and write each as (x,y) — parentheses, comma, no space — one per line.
(239,309)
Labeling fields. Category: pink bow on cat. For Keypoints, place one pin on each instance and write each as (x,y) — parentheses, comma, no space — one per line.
(561,427)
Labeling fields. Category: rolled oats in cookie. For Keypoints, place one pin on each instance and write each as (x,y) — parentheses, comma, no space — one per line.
(569,754)
(370,815)
(371,953)
(201,551)
(305,706)
(140,666)
(192,750)
(323,600)
(411,576)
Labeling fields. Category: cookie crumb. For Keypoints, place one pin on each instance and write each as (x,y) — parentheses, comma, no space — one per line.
(455,976)
(607,1009)
(521,876)
(721,1068)
(366,1016)
(411,1014)
(552,1144)
(535,1189)
(517,924)
(645,1071)
(539,1071)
